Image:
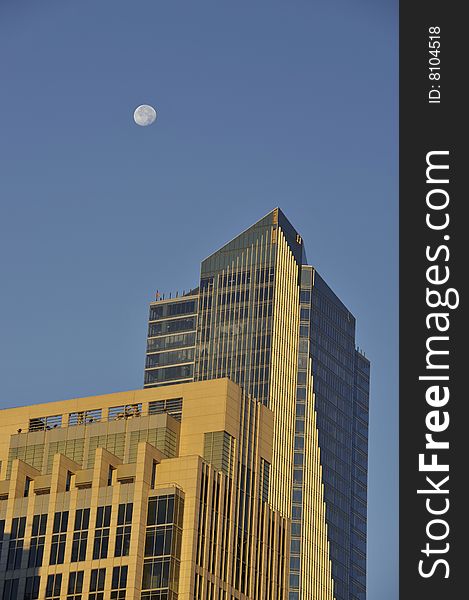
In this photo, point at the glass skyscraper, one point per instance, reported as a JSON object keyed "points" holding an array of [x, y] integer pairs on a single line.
{"points": [[267, 320]]}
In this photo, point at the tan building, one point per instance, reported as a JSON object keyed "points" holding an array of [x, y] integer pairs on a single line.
{"points": [[141, 495]]}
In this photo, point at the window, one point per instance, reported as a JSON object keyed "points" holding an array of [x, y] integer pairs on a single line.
{"points": [[174, 357], [2, 533], [27, 487], [32, 454], [72, 449], [15, 547], [84, 417], [101, 536], [31, 591], [127, 411], [80, 534], [10, 591], [38, 540], [59, 538], [110, 472], [219, 451], [75, 585], [264, 480], [172, 326], [158, 540], [171, 406], [68, 481], [119, 583], [43, 423], [156, 573], [171, 342], [53, 587], [124, 527], [169, 373], [98, 577], [172, 309], [163, 545]]}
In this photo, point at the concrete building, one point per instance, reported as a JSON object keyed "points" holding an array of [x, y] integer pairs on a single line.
{"points": [[141, 495]]}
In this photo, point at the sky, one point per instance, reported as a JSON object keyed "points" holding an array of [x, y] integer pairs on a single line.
{"points": [[273, 103]]}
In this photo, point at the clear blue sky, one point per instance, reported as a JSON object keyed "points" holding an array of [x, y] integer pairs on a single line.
{"points": [[261, 104]]}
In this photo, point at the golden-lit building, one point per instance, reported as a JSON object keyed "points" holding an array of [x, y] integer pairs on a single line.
{"points": [[145, 495]]}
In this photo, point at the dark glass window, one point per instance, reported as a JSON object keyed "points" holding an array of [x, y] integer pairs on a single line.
{"points": [[158, 541], [172, 326], [160, 510], [156, 573], [27, 486], [75, 585], [98, 577], [101, 536], [10, 590], [169, 373], [15, 547], [119, 582], [53, 587], [59, 538], [172, 309], [110, 473], [170, 342], [36, 549], [80, 534], [172, 357], [163, 544], [2, 533], [31, 591], [124, 528]]}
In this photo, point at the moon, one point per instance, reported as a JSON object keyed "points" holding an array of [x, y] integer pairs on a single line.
{"points": [[144, 115]]}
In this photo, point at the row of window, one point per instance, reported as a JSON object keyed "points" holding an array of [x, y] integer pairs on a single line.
{"points": [[59, 536], [169, 374], [170, 358], [170, 342], [172, 326], [173, 309], [74, 588]]}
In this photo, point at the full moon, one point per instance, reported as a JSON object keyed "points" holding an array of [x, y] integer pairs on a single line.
{"points": [[144, 115]]}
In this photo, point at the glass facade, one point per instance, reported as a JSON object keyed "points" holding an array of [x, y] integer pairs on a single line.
{"points": [[171, 341], [335, 376], [162, 547]]}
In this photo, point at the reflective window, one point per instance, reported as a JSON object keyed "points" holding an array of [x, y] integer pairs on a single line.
{"points": [[75, 585], [53, 587], [38, 540], [97, 580], [31, 590], [124, 529], [15, 546], [119, 582]]}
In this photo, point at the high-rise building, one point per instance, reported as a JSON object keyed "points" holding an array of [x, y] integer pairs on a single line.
{"points": [[267, 320], [141, 495]]}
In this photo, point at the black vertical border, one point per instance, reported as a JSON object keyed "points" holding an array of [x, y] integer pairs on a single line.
{"points": [[426, 127]]}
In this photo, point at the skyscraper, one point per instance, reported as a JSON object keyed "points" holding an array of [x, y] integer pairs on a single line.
{"points": [[267, 320]]}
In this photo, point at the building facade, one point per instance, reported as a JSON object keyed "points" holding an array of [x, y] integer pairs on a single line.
{"points": [[158, 494], [267, 320]]}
